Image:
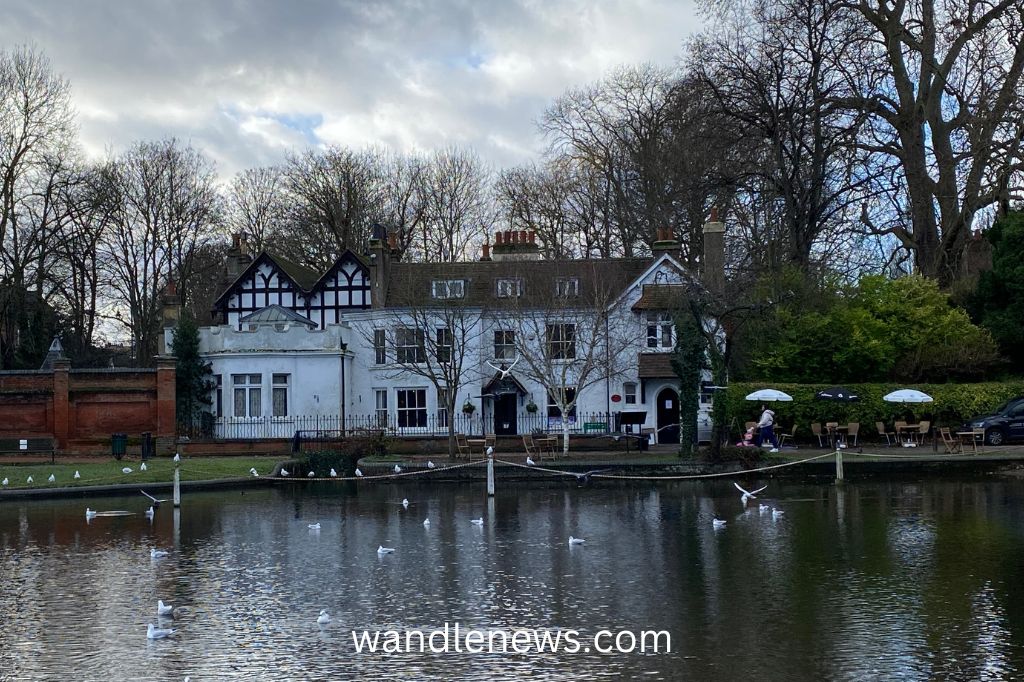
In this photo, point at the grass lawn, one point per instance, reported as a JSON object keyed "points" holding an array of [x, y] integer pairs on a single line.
{"points": [[108, 471]]}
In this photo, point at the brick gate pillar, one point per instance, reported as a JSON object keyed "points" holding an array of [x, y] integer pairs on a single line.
{"points": [[61, 408], [166, 424]]}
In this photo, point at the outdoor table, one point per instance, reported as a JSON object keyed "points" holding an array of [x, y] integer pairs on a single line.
{"points": [[965, 435], [837, 434], [475, 443], [910, 430], [546, 443]]}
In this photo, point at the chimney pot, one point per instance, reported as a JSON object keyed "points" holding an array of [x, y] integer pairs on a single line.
{"points": [[497, 239], [486, 249], [714, 214], [508, 236], [533, 236], [522, 236]]}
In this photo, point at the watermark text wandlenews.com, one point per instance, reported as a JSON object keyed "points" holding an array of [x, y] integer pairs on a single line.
{"points": [[453, 638]]}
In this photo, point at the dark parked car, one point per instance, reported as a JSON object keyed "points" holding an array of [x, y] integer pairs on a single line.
{"points": [[1004, 424]]}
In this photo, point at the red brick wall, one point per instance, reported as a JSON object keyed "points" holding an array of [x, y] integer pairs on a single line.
{"points": [[88, 405]]}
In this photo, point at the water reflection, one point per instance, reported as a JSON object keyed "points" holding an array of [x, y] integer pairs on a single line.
{"points": [[870, 581]]}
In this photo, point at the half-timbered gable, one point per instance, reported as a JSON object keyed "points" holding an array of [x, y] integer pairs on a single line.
{"points": [[273, 280]]}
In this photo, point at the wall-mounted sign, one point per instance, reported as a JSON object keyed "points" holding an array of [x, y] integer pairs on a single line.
{"points": [[616, 398]]}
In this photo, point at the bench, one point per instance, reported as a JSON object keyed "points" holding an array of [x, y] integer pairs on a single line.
{"points": [[35, 444], [595, 427]]}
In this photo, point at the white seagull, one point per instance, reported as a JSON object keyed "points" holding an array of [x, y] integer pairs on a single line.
{"points": [[747, 495], [490, 451], [142, 467], [4, 482], [426, 523], [310, 475], [52, 478], [156, 502], [405, 502], [150, 512], [381, 549], [717, 522], [253, 471], [529, 461], [359, 474], [177, 457], [576, 541], [334, 473], [153, 632], [477, 522], [157, 553], [314, 526], [77, 475], [89, 513], [284, 472], [28, 480], [776, 513], [502, 371], [126, 470], [324, 618], [763, 508], [430, 465], [163, 609], [398, 469]]}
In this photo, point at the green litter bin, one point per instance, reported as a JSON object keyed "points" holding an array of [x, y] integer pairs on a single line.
{"points": [[119, 445]]}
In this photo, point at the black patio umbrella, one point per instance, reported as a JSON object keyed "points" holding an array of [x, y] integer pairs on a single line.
{"points": [[838, 394]]}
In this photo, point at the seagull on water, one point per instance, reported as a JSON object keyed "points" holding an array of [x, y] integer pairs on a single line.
{"points": [[398, 469], [150, 512], [310, 475], [430, 465], [763, 508], [529, 461], [177, 457], [126, 470], [359, 474], [776, 513], [52, 478], [717, 522], [157, 553], [77, 475], [477, 522], [142, 467], [253, 472], [405, 502], [747, 495], [163, 609], [426, 523], [334, 473], [576, 541], [381, 549], [89, 513], [314, 526], [153, 632], [324, 618]]}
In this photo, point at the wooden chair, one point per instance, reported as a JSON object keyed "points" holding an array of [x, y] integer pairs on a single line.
{"points": [[832, 433], [783, 437], [889, 436], [952, 445], [852, 431], [462, 445], [923, 429], [816, 430], [900, 428], [489, 441]]}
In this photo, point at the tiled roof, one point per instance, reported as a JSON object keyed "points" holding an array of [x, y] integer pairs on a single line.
{"points": [[410, 283], [304, 276], [662, 297], [655, 366]]}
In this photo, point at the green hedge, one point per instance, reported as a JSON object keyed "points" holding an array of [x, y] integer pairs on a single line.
{"points": [[954, 404]]}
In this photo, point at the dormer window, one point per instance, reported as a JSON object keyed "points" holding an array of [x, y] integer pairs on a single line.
{"points": [[448, 288], [567, 287], [660, 331], [509, 288]]}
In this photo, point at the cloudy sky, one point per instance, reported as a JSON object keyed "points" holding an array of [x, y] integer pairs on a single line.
{"points": [[246, 81]]}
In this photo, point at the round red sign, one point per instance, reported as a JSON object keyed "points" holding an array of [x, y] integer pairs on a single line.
{"points": [[616, 398]]}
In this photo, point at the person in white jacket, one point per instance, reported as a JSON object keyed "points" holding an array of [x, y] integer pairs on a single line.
{"points": [[766, 429]]}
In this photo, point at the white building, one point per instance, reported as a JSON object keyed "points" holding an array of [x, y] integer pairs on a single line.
{"points": [[357, 345]]}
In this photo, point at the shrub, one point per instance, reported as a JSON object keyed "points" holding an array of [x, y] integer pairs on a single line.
{"points": [[749, 458], [344, 455]]}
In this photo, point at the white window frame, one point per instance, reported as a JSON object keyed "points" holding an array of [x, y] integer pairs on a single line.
{"points": [[507, 349], [444, 345], [442, 408], [567, 287], [280, 384], [661, 331], [403, 346], [448, 288], [380, 403], [508, 287], [559, 346], [250, 386], [629, 390], [380, 346], [418, 410]]}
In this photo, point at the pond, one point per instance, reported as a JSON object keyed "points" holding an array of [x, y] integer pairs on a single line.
{"points": [[911, 579]]}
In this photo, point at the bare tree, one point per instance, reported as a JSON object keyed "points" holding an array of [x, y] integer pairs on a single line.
{"points": [[432, 339], [164, 207], [404, 200], [458, 206], [256, 204]]}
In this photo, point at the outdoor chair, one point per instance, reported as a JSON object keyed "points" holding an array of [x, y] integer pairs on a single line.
{"points": [[530, 446], [852, 430], [462, 445], [889, 436], [952, 445], [816, 430], [924, 428], [832, 433], [783, 437], [488, 442]]}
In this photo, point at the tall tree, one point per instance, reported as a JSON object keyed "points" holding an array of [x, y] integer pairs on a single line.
{"points": [[193, 383]]}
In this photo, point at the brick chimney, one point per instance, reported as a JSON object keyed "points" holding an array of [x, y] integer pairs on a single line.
{"points": [[714, 255], [515, 245], [665, 243], [238, 257], [380, 264]]}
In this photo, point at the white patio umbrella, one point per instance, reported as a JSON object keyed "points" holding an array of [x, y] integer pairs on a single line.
{"points": [[907, 395], [770, 395]]}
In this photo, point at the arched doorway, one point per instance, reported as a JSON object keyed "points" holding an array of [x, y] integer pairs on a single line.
{"points": [[668, 416]]}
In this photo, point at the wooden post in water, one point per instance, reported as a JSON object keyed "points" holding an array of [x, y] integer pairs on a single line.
{"points": [[177, 487], [839, 465], [490, 475]]}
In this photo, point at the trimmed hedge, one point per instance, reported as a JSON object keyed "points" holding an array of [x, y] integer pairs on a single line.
{"points": [[954, 404]]}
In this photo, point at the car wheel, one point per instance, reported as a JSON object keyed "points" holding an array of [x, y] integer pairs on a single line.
{"points": [[994, 437]]}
